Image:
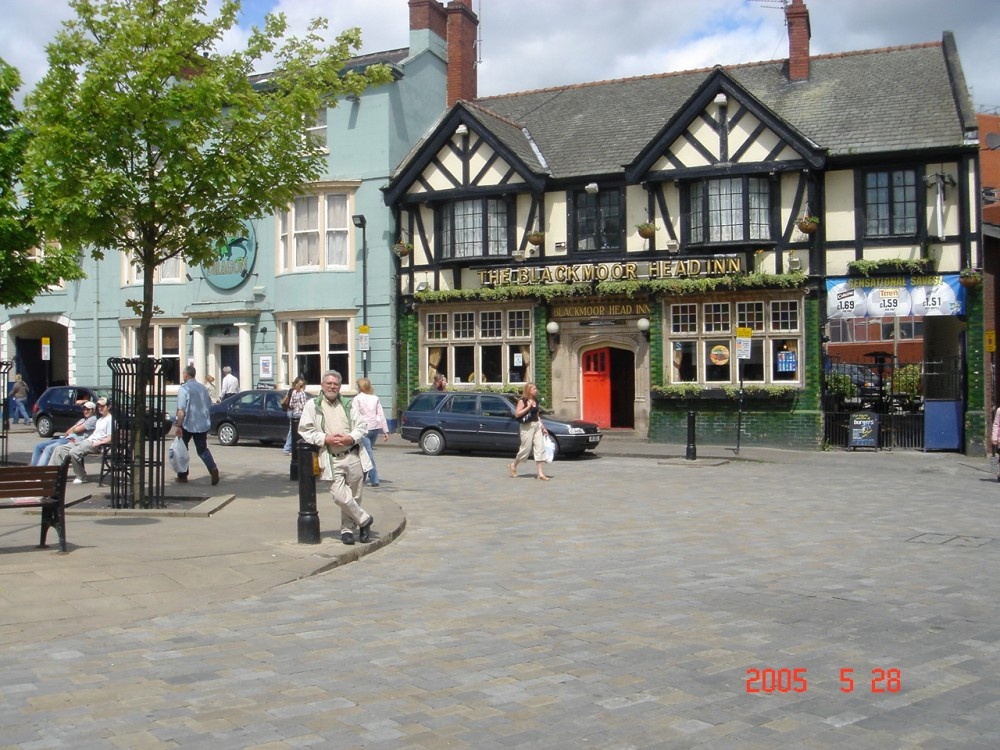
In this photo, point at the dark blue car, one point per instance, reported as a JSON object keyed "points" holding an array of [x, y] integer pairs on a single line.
{"points": [[476, 421]]}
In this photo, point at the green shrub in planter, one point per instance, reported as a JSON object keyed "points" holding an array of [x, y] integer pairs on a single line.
{"points": [[906, 379]]}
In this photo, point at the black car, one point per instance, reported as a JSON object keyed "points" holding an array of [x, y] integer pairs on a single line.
{"points": [[864, 379], [475, 421], [250, 415], [61, 406]]}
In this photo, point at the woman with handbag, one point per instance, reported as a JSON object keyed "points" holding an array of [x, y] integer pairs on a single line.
{"points": [[366, 408], [533, 432], [293, 402]]}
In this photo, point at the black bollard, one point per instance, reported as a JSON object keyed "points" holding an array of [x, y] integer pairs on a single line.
{"points": [[692, 451], [308, 515], [293, 462]]}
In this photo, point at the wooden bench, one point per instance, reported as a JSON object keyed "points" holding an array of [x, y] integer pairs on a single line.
{"points": [[38, 487]]}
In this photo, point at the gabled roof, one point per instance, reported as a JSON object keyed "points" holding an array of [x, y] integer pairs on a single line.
{"points": [[873, 102], [392, 58]]}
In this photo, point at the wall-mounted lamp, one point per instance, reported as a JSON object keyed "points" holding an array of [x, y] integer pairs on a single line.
{"points": [[263, 330], [189, 277], [552, 328], [673, 246], [359, 221], [591, 188], [643, 325], [259, 291], [422, 286], [519, 255], [721, 100], [462, 129]]}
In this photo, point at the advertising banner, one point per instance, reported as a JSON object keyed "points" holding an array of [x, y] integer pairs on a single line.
{"points": [[894, 296]]}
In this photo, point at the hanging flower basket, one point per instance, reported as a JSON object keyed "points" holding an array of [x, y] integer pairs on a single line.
{"points": [[969, 278], [402, 249], [536, 238], [808, 224], [646, 230]]}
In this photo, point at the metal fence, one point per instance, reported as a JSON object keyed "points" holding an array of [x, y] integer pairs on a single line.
{"points": [[900, 411], [128, 456]]}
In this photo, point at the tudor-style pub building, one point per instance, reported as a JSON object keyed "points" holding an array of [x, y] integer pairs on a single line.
{"points": [[810, 215]]}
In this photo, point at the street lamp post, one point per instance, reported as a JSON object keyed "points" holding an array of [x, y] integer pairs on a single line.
{"points": [[361, 223]]}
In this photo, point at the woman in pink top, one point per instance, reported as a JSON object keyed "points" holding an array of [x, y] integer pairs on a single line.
{"points": [[367, 409]]}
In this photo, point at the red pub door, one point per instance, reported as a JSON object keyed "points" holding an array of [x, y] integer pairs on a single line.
{"points": [[597, 387]]}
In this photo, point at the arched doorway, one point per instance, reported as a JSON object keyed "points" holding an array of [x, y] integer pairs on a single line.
{"points": [[608, 379]]}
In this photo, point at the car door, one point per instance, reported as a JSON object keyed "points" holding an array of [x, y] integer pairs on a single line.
{"points": [[460, 421], [247, 413], [274, 420], [498, 429]]}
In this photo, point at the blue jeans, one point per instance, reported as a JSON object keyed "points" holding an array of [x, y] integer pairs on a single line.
{"points": [[18, 409], [201, 447], [368, 441], [42, 453]]}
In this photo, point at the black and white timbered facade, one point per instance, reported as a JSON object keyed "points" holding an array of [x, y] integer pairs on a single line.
{"points": [[807, 213]]}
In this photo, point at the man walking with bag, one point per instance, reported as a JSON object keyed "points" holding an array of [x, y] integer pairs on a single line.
{"points": [[194, 421]]}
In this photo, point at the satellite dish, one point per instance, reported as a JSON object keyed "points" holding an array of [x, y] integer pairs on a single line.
{"points": [[992, 141]]}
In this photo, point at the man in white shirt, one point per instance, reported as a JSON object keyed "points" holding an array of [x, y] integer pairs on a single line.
{"points": [[100, 437], [230, 385]]}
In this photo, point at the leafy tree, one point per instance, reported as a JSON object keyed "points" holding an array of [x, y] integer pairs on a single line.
{"points": [[22, 275], [151, 141]]}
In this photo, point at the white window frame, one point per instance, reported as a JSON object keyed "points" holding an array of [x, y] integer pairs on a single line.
{"points": [[130, 345], [446, 334], [288, 346], [689, 342], [334, 243]]}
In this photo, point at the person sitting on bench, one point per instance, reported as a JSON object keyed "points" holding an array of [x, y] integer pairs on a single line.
{"points": [[78, 451], [83, 429]]}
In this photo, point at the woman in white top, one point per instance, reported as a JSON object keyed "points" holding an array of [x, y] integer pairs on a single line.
{"points": [[367, 409]]}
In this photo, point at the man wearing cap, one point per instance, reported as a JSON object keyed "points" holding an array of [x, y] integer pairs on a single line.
{"points": [[42, 453], [194, 420], [100, 437]]}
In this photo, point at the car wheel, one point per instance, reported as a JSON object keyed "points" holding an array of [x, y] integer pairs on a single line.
{"points": [[45, 426], [228, 434], [432, 443]]}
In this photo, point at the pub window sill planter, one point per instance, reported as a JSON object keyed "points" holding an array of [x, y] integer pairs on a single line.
{"points": [[685, 392]]}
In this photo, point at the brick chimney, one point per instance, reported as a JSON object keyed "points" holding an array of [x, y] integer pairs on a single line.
{"points": [[429, 14], [462, 75], [797, 18]]}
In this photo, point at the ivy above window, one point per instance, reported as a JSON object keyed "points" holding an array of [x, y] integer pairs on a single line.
{"points": [[891, 265], [629, 288]]}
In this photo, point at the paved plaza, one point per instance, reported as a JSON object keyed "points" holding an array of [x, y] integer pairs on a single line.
{"points": [[638, 600]]}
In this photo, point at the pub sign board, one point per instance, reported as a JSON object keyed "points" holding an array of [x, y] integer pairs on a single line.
{"points": [[863, 430]]}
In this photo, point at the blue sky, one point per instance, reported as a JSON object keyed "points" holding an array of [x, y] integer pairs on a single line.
{"points": [[529, 44]]}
